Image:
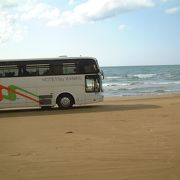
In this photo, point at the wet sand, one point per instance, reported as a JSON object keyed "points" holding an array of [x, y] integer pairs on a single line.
{"points": [[135, 138]]}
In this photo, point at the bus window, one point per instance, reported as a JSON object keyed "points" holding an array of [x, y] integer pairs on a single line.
{"points": [[32, 70], [57, 69], [49, 69], [9, 71], [88, 67], [22, 70], [1, 71], [44, 69], [92, 83], [69, 68]]}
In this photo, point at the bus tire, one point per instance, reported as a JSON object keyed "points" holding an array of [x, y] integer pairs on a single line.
{"points": [[65, 101]]}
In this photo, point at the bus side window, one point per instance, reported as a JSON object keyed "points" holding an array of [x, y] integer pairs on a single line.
{"points": [[51, 69], [9, 71], [44, 69], [1, 71], [22, 71], [90, 68], [58, 69], [69, 68], [32, 70]]}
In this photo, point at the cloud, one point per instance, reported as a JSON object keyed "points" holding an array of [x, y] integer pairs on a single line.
{"points": [[173, 10], [96, 10], [14, 13], [8, 3], [122, 27], [40, 11], [10, 28], [71, 2], [165, 1]]}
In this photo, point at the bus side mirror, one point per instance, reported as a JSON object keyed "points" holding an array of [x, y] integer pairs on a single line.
{"points": [[102, 74]]}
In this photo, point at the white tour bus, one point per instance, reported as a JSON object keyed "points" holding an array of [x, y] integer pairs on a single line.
{"points": [[47, 82]]}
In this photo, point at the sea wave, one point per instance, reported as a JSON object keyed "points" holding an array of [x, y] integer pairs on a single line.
{"points": [[142, 76], [163, 83], [112, 84], [113, 77], [115, 84], [141, 80]]}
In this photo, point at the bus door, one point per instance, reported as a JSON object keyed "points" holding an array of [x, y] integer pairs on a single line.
{"points": [[92, 88]]}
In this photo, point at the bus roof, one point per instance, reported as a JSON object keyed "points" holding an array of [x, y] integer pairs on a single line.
{"points": [[63, 58]]}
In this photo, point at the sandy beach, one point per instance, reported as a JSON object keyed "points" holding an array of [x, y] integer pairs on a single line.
{"points": [[123, 138]]}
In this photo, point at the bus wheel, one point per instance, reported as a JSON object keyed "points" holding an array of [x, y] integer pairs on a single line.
{"points": [[65, 101]]}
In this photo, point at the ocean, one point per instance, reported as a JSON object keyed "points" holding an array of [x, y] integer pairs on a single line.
{"points": [[141, 80]]}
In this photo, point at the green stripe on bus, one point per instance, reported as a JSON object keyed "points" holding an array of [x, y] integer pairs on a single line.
{"points": [[12, 95]]}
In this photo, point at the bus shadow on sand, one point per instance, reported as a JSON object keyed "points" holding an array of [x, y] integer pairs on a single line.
{"points": [[74, 110]]}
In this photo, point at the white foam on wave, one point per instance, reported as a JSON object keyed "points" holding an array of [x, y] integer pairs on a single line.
{"points": [[143, 76], [115, 84], [113, 77], [164, 83]]}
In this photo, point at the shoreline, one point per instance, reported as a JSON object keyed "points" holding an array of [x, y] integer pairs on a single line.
{"points": [[144, 95], [134, 138]]}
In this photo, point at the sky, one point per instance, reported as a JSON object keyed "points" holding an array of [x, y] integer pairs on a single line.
{"points": [[116, 32]]}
